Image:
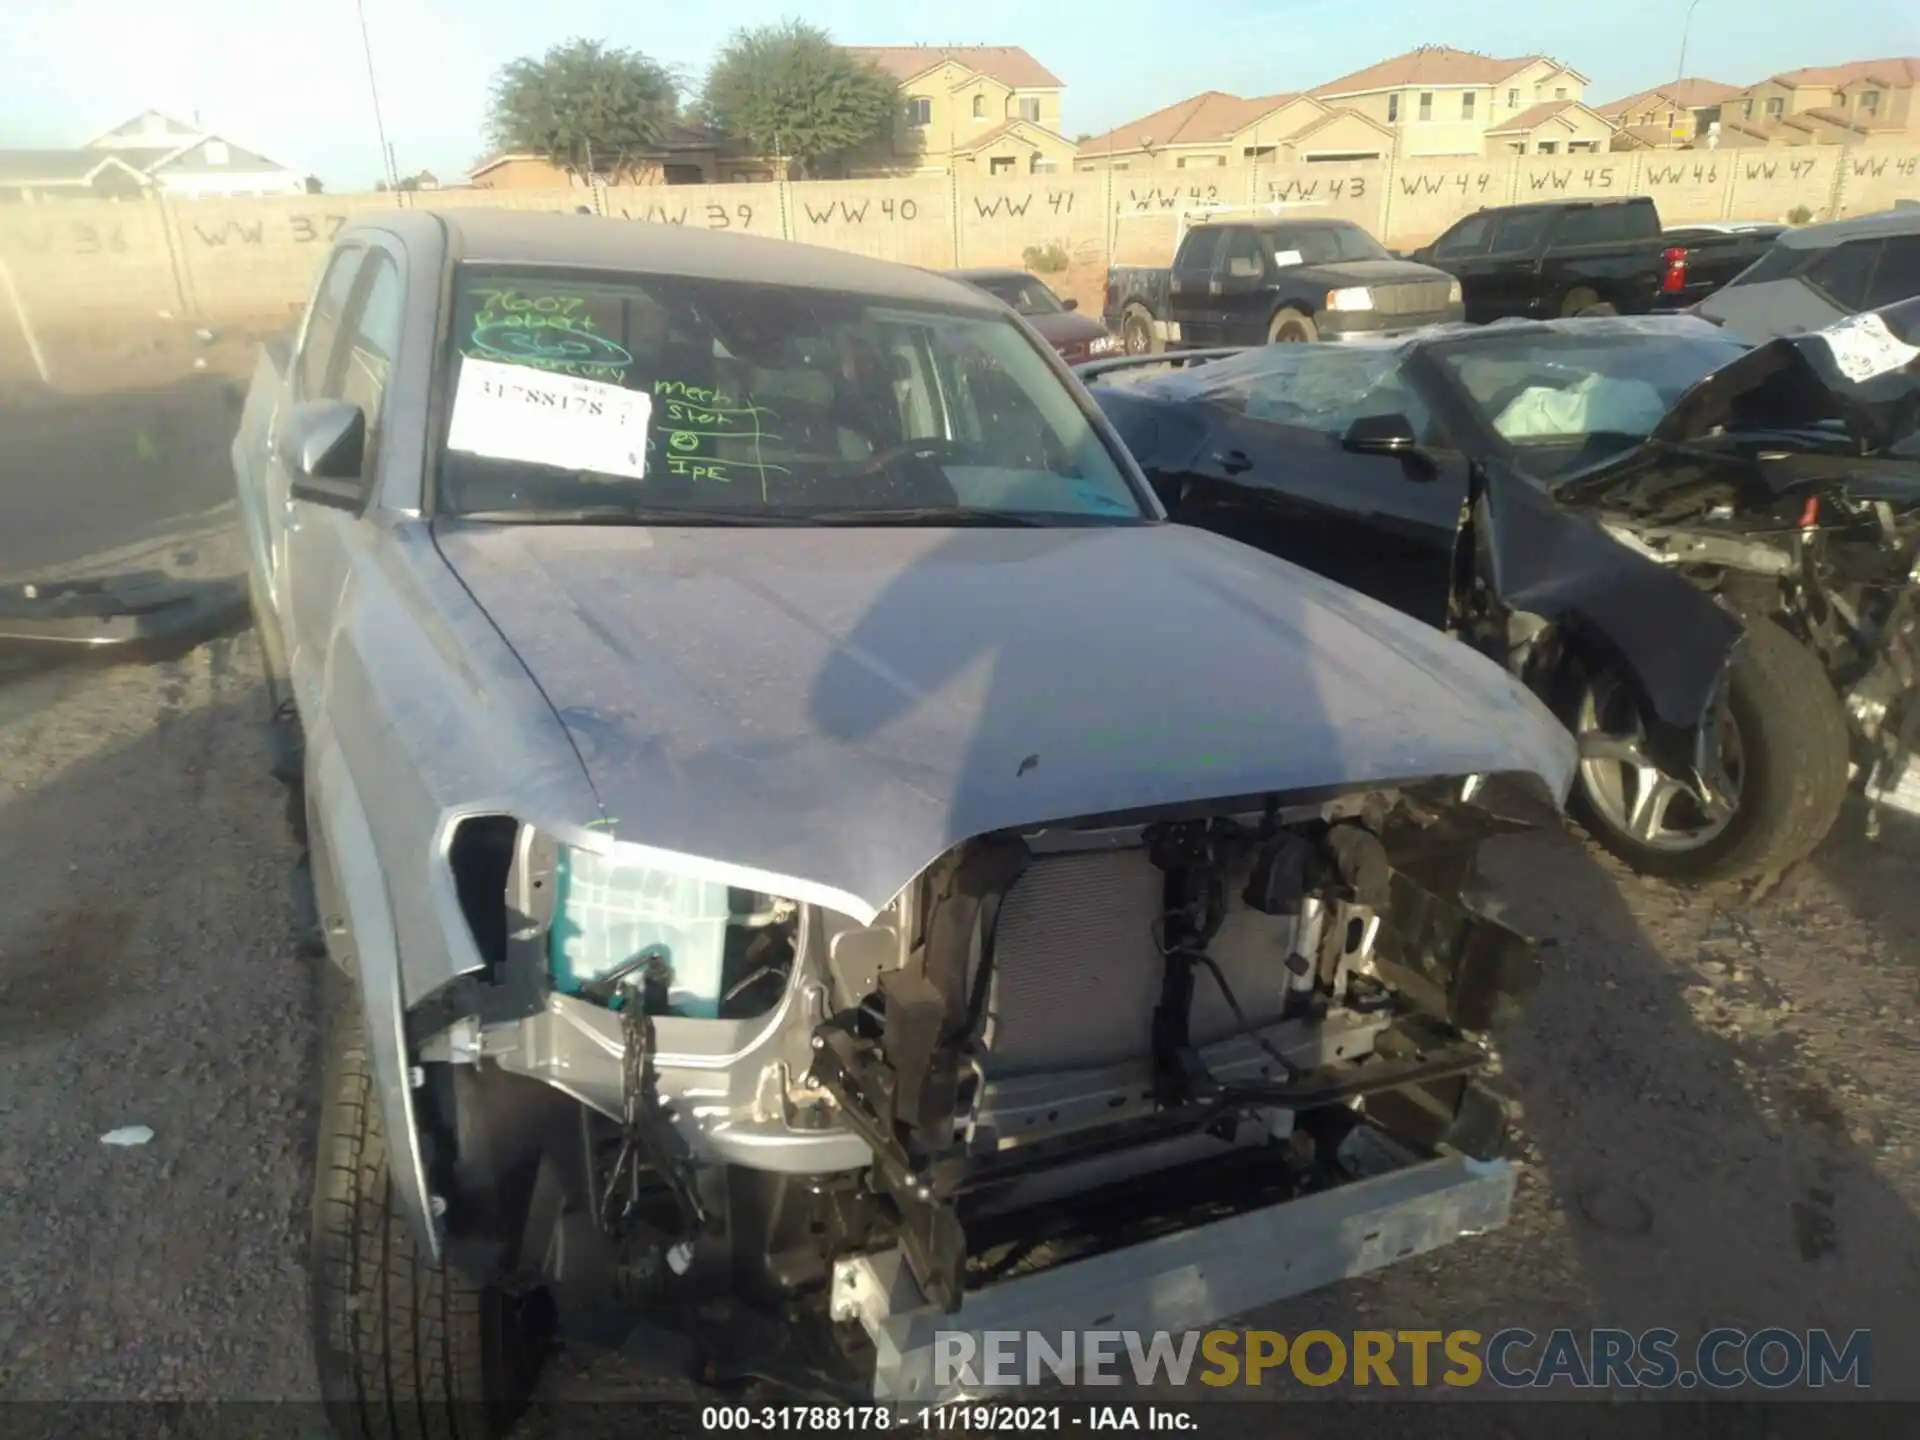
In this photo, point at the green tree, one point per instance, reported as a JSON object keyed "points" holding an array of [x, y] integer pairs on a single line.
{"points": [[587, 108], [788, 91]]}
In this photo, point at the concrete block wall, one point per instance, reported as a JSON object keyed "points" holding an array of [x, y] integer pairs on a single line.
{"points": [[82, 265]]}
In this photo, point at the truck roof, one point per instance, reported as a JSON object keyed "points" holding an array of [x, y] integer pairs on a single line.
{"points": [[593, 242], [1285, 222], [1571, 200]]}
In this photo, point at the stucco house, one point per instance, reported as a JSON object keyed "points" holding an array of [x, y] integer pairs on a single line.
{"points": [[1441, 101], [1214, 128], [151, 152], [1554, 127], [686, 155], [1861, 100], [183, 161], [33, 175], [990, 109], [1673, 116]]}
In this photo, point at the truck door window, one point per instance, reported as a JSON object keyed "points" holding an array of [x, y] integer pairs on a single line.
{"points": [[1520, 234], [372, 341], [1845, 273], [1198, 250], [1470, 237], [1898, 275], [1241, 258], [313, 368]]}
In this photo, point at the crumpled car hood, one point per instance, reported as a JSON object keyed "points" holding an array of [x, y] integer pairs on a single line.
{"points": [[1861, 371], [841, 706]]}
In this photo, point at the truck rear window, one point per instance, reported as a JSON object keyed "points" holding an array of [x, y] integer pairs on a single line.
{"points": [[1599, 224], [570, 389]]}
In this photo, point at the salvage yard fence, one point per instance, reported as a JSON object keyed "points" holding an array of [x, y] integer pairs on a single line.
{"points": [[79, 264]]}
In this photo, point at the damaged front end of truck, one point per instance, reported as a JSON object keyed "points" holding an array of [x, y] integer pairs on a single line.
{"points": [[1141, 1070]]}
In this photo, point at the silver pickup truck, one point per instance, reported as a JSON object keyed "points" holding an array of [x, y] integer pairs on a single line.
{"points": [[809, 858]]}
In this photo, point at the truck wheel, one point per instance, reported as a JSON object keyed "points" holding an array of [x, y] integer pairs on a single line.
{"points": [[1784, 750], [1290, 327], [403, 1346], [1136, 331], [1578, 301]]}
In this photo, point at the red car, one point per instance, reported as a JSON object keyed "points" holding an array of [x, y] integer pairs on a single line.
{"points": [[1076, 337]]}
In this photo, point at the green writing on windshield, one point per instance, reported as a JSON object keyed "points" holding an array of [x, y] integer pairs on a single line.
{"points": [[713, 435], [546, 332]]}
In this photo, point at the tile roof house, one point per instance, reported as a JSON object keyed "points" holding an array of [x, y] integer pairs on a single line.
{"points": [[1441, 101], [1553, 127], [1214, 128], [1832, 104], [956, 102], [1671, 116]]}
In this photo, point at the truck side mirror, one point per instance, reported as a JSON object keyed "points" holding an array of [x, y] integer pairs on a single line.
{"points": [[324, 445], [1381, 435], [1070, 304]]}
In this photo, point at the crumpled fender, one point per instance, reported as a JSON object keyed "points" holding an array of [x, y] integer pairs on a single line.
{"points": [[1669, 639]]}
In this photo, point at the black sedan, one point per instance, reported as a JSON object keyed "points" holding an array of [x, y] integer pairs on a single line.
{"points": [[1701, 554]]}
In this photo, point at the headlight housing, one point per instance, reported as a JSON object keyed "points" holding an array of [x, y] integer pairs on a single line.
{"points": [[611, 912], [1353, 297], [1453, 293], [1103, 345]]}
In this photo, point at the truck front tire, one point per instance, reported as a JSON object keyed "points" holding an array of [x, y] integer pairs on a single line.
{"points": [[404, 1346], [1290, 327]]}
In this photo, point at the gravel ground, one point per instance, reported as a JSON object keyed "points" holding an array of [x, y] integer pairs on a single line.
{"points": [[1718, 1095]]}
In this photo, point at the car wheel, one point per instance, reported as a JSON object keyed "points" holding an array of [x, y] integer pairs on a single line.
{"points": [[396, 1335], [1783, 756], [1290, 327], [1603, 308], [1578, 301], [1136, 332]]}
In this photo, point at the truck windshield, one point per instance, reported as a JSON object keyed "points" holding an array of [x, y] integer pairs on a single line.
{"points": [[1329, 244], [585, 394], [1565, 400]]}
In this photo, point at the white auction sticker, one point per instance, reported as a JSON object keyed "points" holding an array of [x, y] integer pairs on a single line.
{"points": [[514, 412], [1864, 347]]}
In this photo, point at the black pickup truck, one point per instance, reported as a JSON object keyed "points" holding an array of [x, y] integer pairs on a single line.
{"points": [[1559, 257], [1265, 281], [1699, 259]]}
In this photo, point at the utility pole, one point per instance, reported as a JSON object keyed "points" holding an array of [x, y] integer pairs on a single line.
{"points": [[1680, 70], [373, 89]]}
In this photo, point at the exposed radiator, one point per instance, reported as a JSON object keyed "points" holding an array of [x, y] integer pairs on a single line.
{"points": [[1077, 968]]}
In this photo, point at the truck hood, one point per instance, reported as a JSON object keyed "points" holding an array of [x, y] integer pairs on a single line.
{"points": [[842, 706], [1373, 272]]}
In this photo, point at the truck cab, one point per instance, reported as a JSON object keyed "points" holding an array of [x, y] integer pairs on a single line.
{"points": [[1276, 280], [1554, 258]]}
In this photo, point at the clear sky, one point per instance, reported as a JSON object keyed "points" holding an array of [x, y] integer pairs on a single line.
{"points": [[288, 77]]}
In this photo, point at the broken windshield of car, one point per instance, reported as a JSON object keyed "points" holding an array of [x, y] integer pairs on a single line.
{"points": [[1549, 386], [764, 396], [1324, 388]]}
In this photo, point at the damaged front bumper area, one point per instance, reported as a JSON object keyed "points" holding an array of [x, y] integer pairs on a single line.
{"points": [[1315, 996], [1146, 1069]]}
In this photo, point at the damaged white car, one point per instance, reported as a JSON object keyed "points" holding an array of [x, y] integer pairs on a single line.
{"points": [[809, 856]]}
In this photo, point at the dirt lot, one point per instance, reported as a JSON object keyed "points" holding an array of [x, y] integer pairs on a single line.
{"points": [[1718, 1096]]}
